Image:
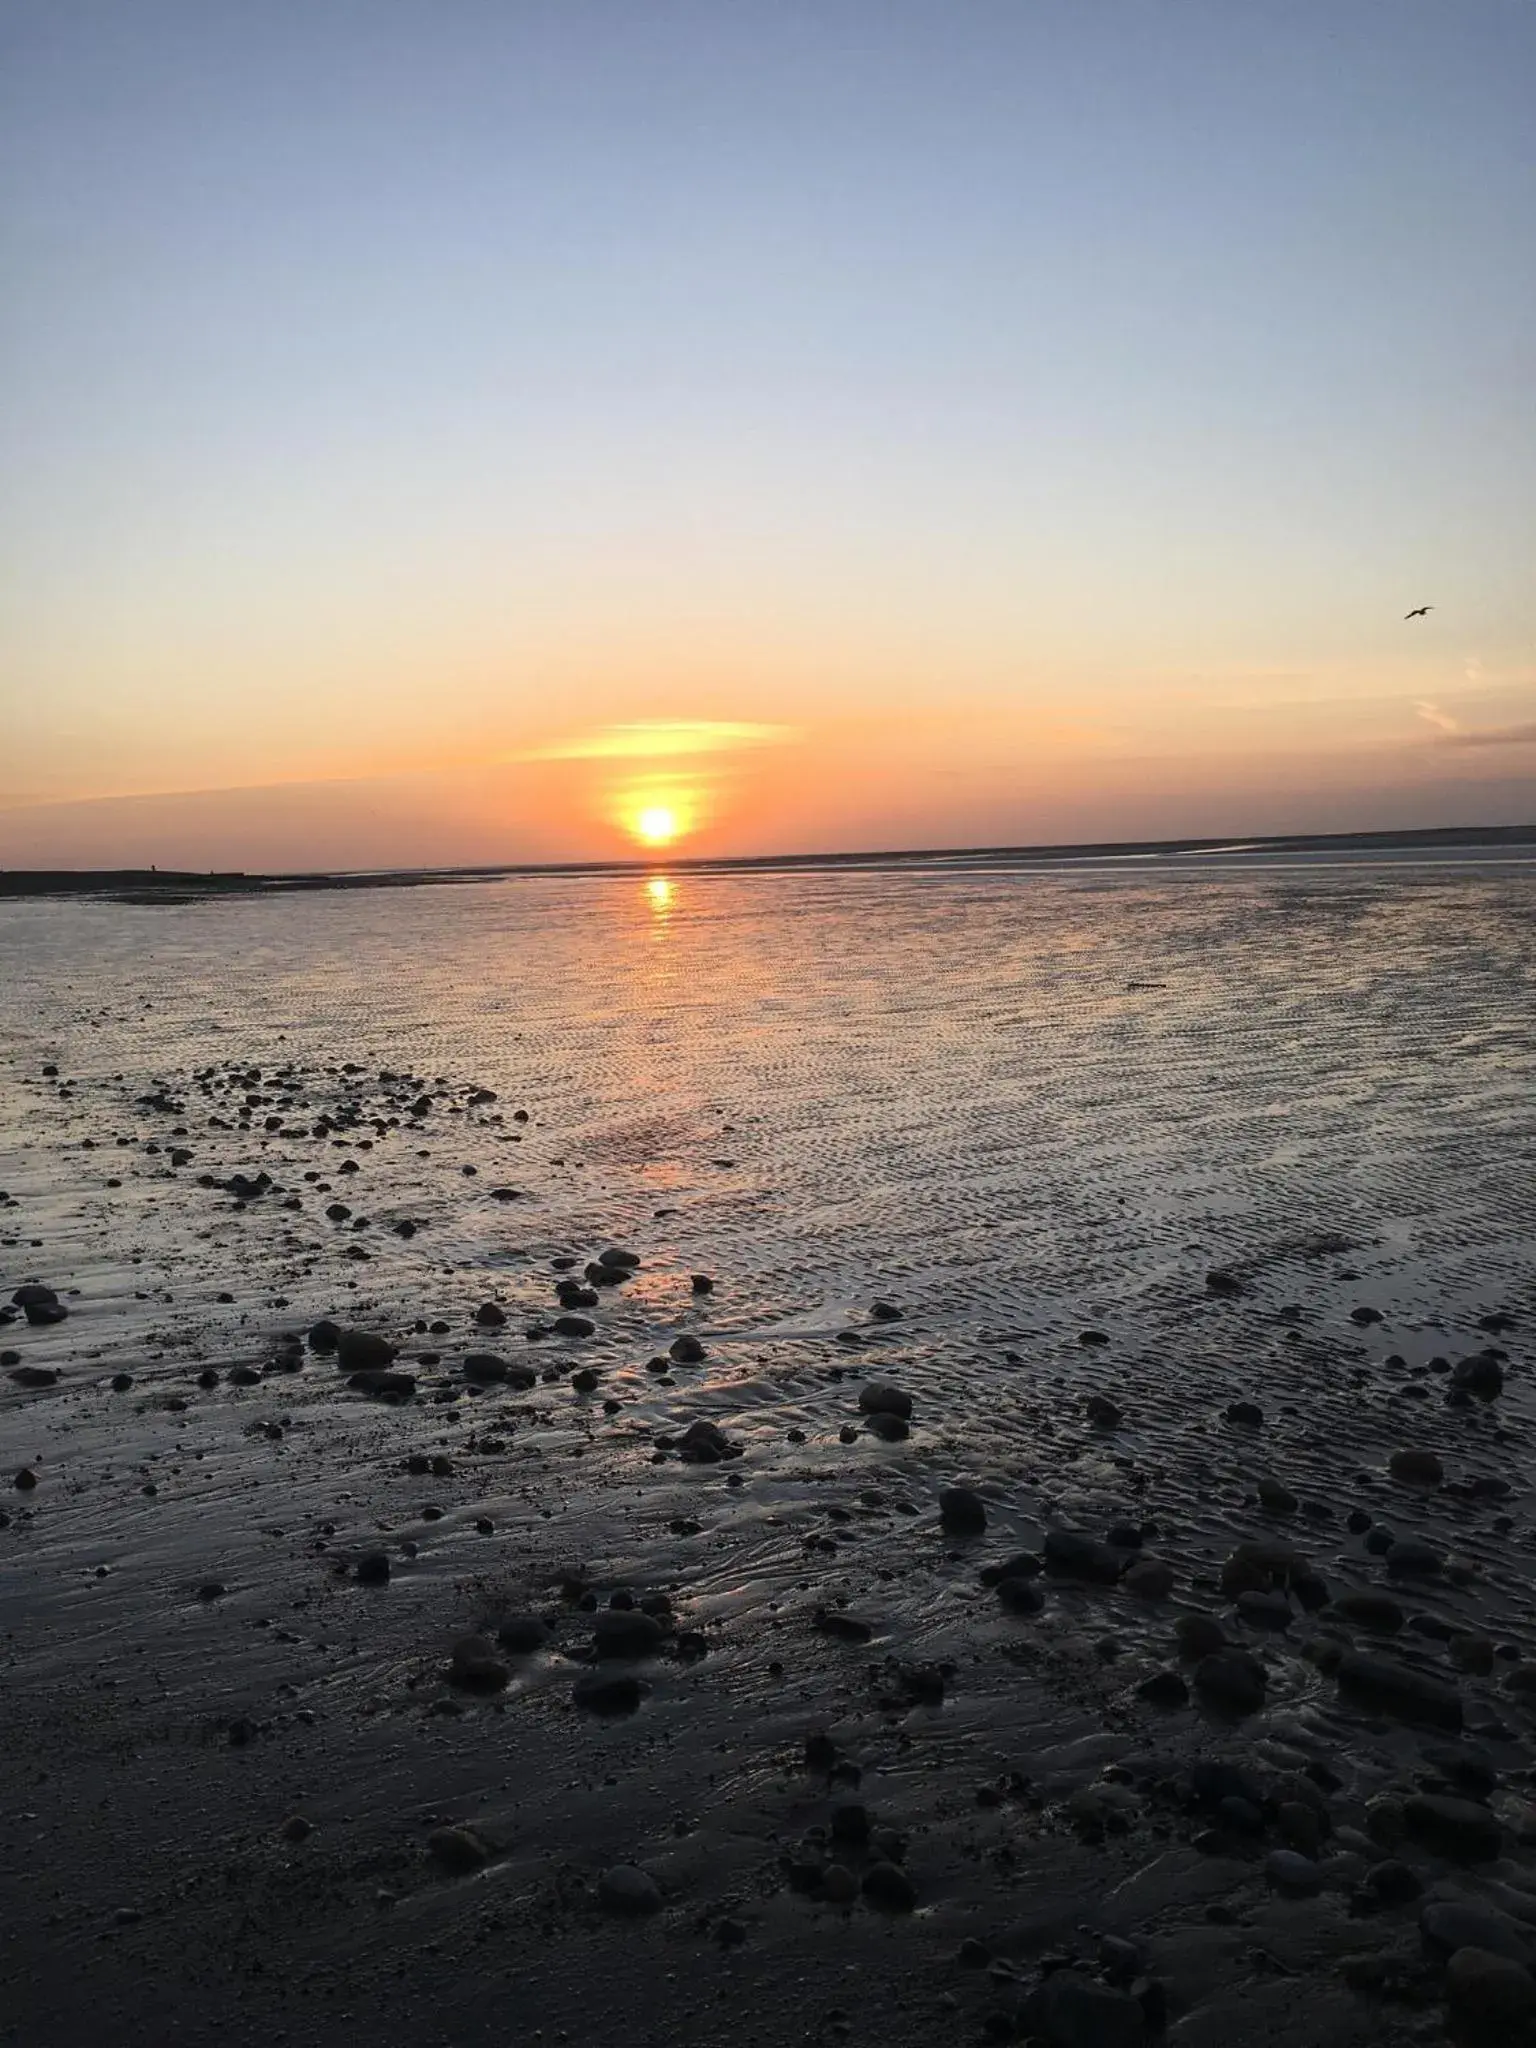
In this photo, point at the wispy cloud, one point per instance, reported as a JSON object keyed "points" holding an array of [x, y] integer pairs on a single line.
{"points": [[1442, 721], [1523, 735], [654, 739]]}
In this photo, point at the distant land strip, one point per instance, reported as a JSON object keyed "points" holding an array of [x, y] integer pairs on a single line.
{"points": [[165, 885]]}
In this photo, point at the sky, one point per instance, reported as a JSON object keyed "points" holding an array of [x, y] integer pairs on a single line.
{"points": [[445, 431]]}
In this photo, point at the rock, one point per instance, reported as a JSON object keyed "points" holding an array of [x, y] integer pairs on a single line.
{"points": [[373, 1568], [1026, 1564], [1198, 1635], [1102, 1412], [459, 1850], [687, 1350], [34, 1295], [619, 1261], [1072, 2010], [1377, 1611], [885, 1312], [485, 1369], [1296, 1875], [384, 1386], [962, 1511], [1231, 1680], [1220, 1281], [1416, 1467], [1079, 1556], [1278, 1499], [891, 1429], [1020, 1596], [1397, 1689], [1393, 1882], [35, 1376], [1246, 1414], [1385, 1821], [1454, 1827], [1465, 1764], [296, 1828], [839, 1886], [879, 1397], [626, 1633], [1490, 1992], [1149, 1578], [360, 1350], [1260, 1567], [573, 1326], [888, 1887], [1450, 1924], [1481, 1375], [40, 1314], [702, 1283], [628, 1890], [1471, 1652], [475, 1666], [121, 1382], [26, 1479], [607, 1692], [1264, 1610], [703, 1443], [1164, 1689], [521, 1634], [1410, 1558]]}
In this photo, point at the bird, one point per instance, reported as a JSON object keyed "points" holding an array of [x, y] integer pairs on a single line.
{"points": [[1422, 612]]}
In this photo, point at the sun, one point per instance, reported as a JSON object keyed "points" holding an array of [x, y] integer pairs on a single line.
{"points": [[657, 825]]}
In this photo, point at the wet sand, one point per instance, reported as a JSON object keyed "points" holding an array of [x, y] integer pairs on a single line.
{"points": [[1201, 1205]]}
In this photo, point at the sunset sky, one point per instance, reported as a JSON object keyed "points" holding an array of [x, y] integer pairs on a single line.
{"points": [[442, 431]]}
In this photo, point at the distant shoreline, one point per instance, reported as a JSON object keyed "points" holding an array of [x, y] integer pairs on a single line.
{"points": [[150, 885]]}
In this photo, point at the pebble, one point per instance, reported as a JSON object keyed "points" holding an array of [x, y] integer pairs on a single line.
{"points": [[1454, 1827], [1416, 1468], [574, 1326], [1450, 1924], [1149, 1578], [839, 1885], [1481, 1375], [1289, 1872], [687, 1350], [1199, 1635], [1164, 1689], [879, 1397], [1072, 2010], [620, 1633], [1410, 1558], [1020, 1596], [962, 1511], [26, 1479], [1393, 1882], [373, 1568], [627, 1889], [360, 1350], [474, 1665], [1377, 1611], [1080, 1556], [607, 1692], [1233, 1680], [1490, 1991], [1278, 1498], [1398, 1689]]}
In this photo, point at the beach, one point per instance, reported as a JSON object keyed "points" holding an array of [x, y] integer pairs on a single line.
{"points": [[1032, 1539]]}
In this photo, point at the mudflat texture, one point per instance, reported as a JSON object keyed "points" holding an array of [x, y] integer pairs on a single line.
{"points": [[604, 1665]]}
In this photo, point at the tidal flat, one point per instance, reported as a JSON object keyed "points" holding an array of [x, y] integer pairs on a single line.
{"points": [[823, 1457]]}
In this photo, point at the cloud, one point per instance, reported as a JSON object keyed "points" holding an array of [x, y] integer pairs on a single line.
{"points": [[1523, 735], [1442, 721], [653, 739]]}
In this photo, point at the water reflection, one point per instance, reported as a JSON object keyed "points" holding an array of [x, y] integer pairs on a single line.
{"points": [[659, 892]]}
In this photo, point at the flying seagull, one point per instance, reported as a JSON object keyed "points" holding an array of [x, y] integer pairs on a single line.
{"points": [[1423, 612]]}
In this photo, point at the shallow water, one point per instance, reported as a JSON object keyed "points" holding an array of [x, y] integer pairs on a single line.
{"points": [[1018, 1105]]}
